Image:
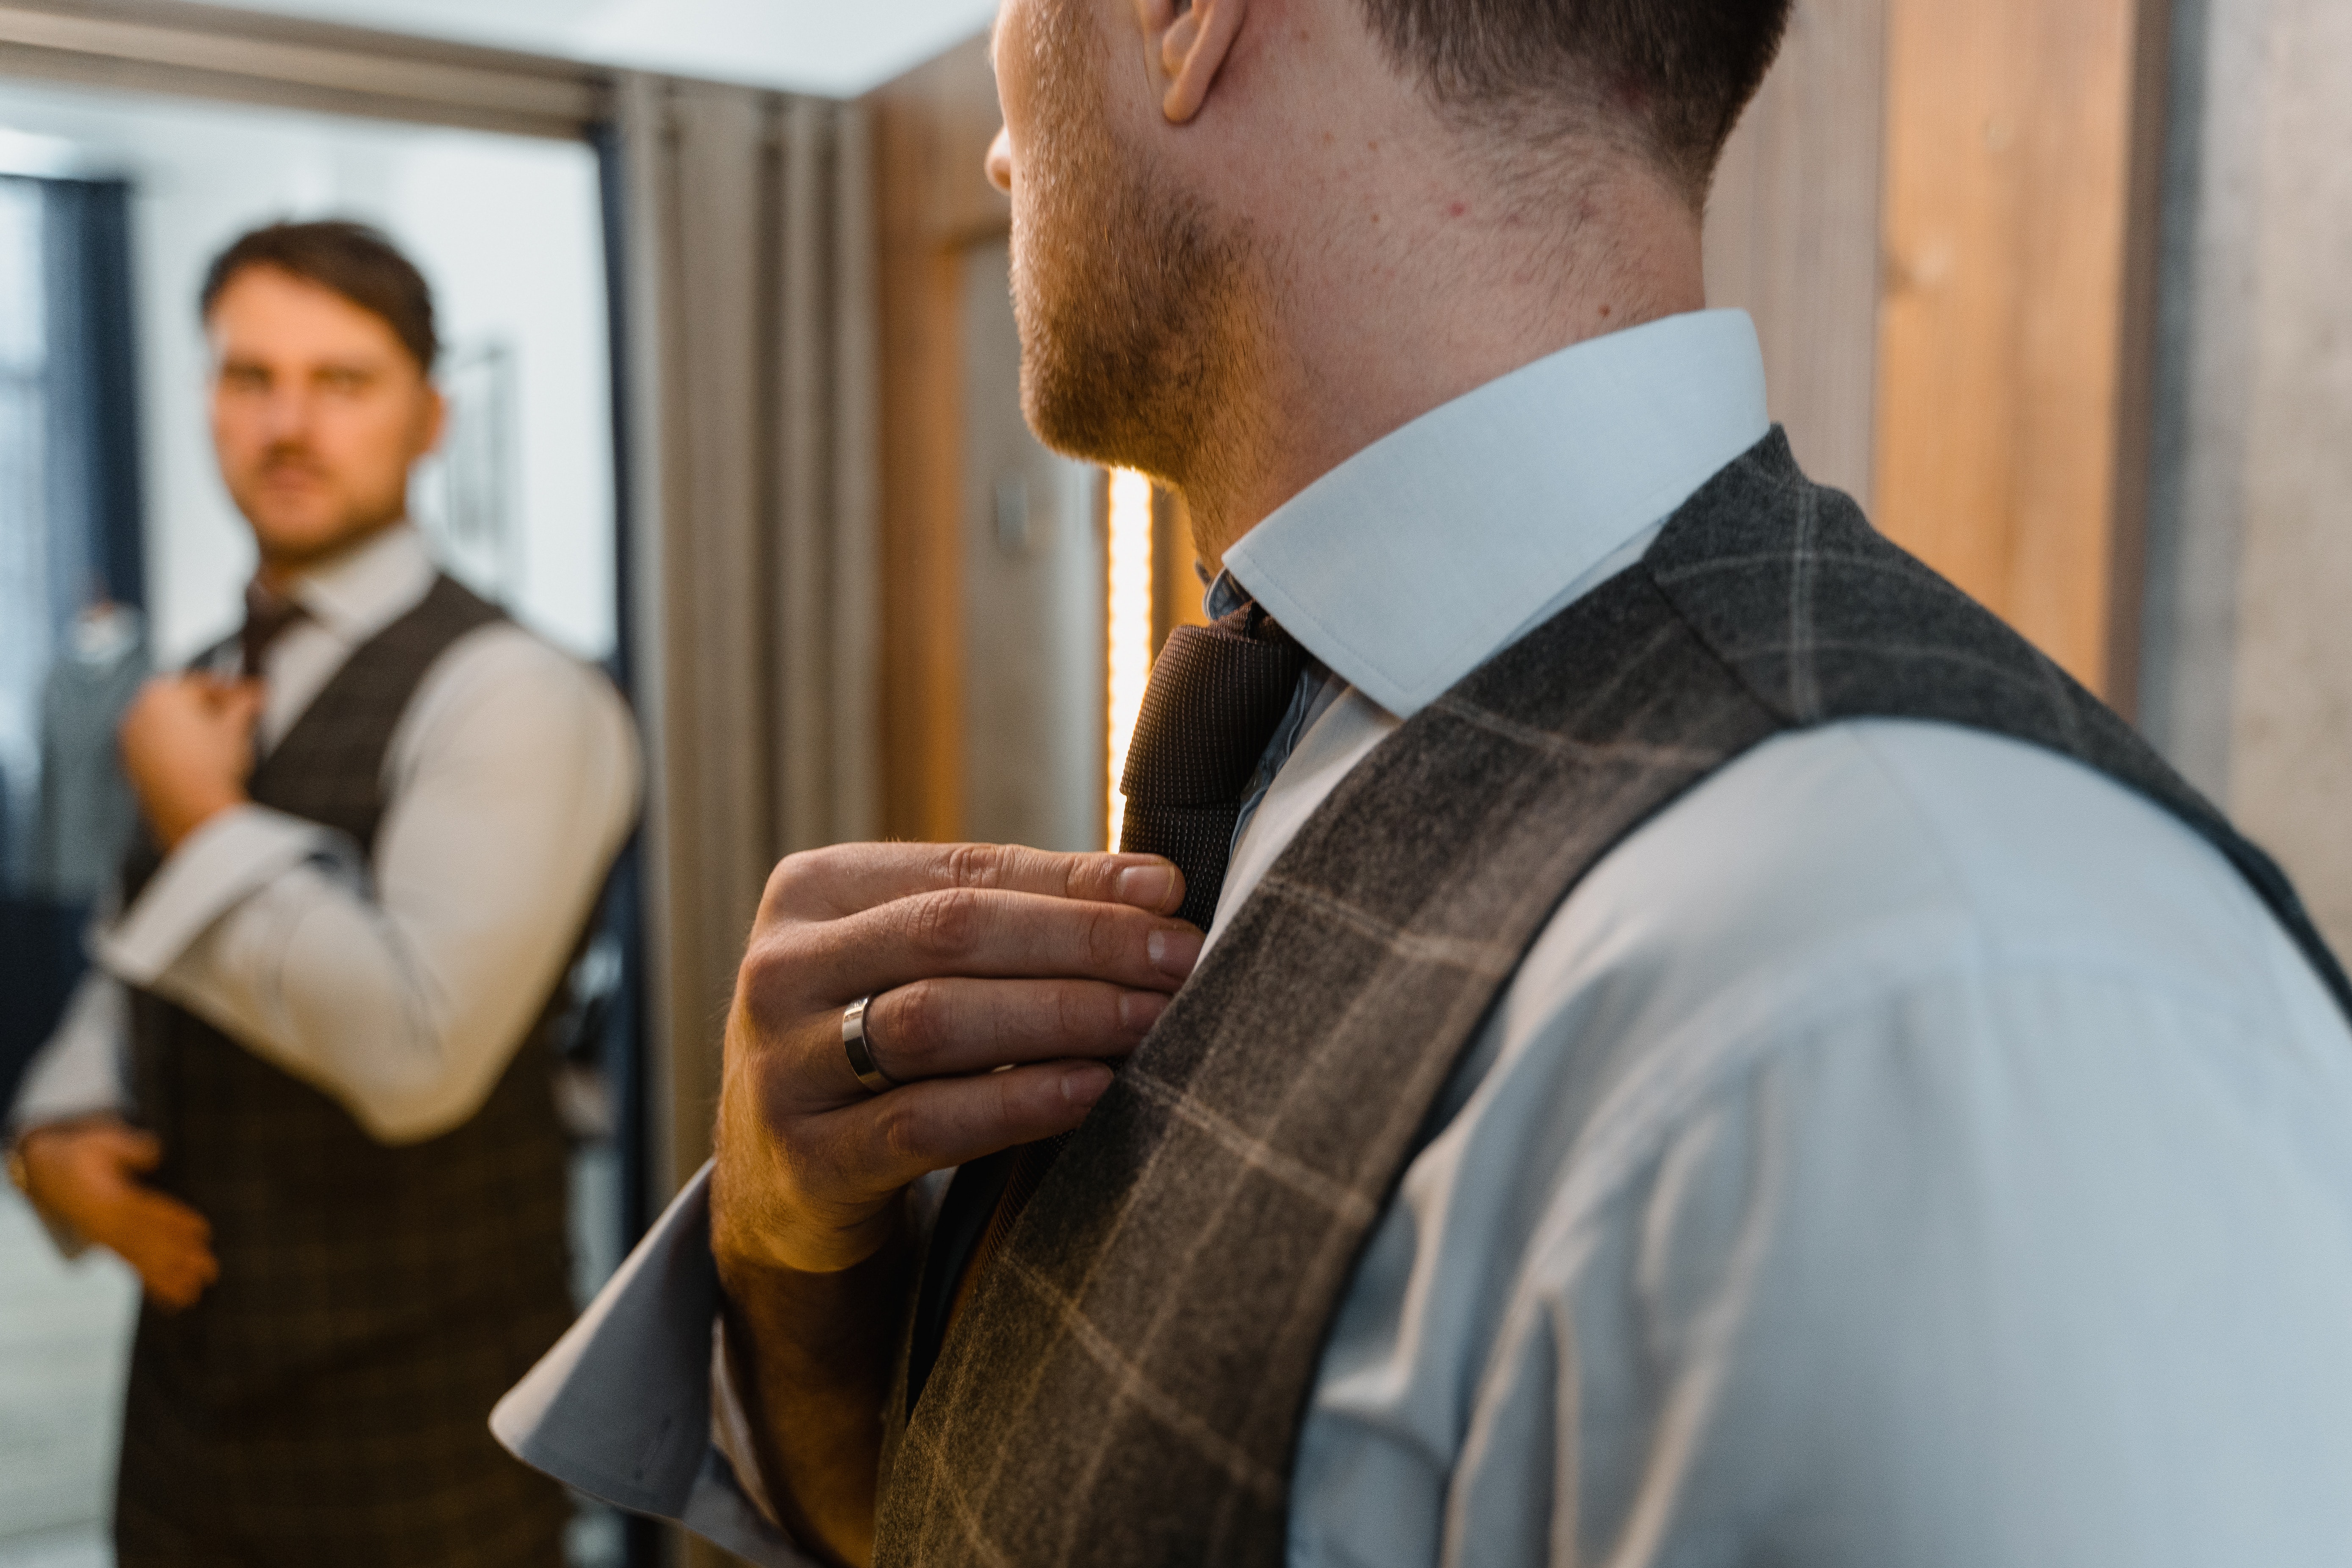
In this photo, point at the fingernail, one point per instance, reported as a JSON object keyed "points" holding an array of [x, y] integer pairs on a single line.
{"points": [[1146, 887], [1173, 953], [1138, 1010], [1082, 1086]]}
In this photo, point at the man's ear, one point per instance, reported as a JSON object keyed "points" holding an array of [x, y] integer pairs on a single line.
{"points": [[1189, 42], [433, 421]]}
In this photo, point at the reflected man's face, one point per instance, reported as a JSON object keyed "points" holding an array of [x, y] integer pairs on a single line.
{"points": [[317, 413]]}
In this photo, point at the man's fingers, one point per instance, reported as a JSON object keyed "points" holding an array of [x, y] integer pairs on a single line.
{"points": [[167, 1289], [989, 935], [241, 704], [136, 1150], [998, 955], [178, 1282], [896, 1138], [170, 1245], [168, 1217], [181, 1257], [848, 878], [942, 1028]]}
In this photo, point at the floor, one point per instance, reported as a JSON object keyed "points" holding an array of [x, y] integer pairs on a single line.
{"points": [[65, 1332], [83, 1547]]}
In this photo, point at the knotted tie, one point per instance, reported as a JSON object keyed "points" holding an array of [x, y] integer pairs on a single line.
{"points": [[267, 616], [1217, 696]]}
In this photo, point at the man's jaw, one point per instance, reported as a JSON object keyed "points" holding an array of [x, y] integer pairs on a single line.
{"points": [[293, 547]]}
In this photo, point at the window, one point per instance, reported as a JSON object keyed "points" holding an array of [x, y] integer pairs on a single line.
{"points": [[26, 616], [72, 648]]}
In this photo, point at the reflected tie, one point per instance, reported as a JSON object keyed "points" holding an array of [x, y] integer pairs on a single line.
{"points": [[1217, 695], [267, 616]]}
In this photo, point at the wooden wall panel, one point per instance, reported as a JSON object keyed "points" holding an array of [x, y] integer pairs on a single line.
{"points": [[1792, 233], [931, 131], [2012, 336]]}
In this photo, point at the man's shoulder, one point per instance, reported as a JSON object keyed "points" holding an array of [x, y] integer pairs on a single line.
{"points": [[502, 678], [1906, 906], [508, 647], [1857, 856]]}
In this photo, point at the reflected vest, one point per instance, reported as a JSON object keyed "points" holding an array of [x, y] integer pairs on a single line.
{"points": [[1127, 1382], [335, 1250]]}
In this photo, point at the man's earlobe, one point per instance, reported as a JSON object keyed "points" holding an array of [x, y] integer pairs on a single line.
{"points": [[1189, 42]]}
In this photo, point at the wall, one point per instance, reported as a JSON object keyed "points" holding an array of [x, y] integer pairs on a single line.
{"points": [[1034, 587], [507, 230], [1793, 234], [2011, 429], [932, 129], [2248, 656]]}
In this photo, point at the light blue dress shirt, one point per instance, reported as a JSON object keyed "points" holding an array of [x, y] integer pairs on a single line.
{"points": [[1911, 1148]]}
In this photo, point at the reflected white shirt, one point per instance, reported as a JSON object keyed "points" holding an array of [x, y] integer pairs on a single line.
{"points": [[400, 989], [1909, 1148]]}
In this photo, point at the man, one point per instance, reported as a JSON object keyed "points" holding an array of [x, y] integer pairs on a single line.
{"points": [[379, 821], [1709, 1049]]}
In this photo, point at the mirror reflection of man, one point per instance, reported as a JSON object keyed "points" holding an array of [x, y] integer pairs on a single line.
{"points": [[378, 820]]}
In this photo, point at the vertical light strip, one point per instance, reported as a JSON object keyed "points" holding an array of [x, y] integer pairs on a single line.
{"points": [[1131, 621]]}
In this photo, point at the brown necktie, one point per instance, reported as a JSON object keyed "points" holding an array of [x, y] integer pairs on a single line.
{"points": [[1217, 696], [267, 618]]}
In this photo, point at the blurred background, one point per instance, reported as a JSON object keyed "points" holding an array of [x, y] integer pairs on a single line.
{"points": [[2055, 286]]}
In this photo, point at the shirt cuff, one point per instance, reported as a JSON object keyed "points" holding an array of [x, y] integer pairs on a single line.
{"points": [[217, 868], [730, 1431], [78, 1071], [71, 1243], [620, 1409]]}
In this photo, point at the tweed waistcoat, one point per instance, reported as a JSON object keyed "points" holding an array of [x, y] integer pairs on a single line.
{"points": [[328, 1391], [1128, 1382]]}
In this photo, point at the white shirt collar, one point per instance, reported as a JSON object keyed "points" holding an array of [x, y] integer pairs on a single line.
{"points": [[1416, 560], [364, 589]]}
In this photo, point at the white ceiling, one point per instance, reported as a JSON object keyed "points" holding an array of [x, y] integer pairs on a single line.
{"points": [[835, 46]]}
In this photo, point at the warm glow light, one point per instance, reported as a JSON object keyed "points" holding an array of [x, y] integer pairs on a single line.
{"points": [[1131, 621]]}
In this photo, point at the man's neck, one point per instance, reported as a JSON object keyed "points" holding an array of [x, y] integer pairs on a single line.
{"points": [[281, 571], [1420, 312]]}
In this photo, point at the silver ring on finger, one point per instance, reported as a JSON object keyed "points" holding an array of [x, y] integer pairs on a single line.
{"points": [[859, 1048]]}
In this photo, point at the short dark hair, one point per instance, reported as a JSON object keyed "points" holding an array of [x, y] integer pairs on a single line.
{"points": [[353, 259], [1677, 72]]}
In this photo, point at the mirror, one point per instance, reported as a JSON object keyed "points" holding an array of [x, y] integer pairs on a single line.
{"points": [[120, 551]]}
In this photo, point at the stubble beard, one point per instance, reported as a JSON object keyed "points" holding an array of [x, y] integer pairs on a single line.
{"points": [[1138, 332], [305, 538]]}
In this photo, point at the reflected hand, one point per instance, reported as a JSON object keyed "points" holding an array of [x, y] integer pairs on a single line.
{"points": [[187, 747], [978, 957], [86, 1174]]}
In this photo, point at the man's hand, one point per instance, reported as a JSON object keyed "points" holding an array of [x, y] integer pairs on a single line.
{"points": [[977, 958], [1002, 980], [187, 746], [87, 1174]]}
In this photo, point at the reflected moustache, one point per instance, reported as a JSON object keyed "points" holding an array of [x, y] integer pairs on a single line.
{"points": [[291, 462]]}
